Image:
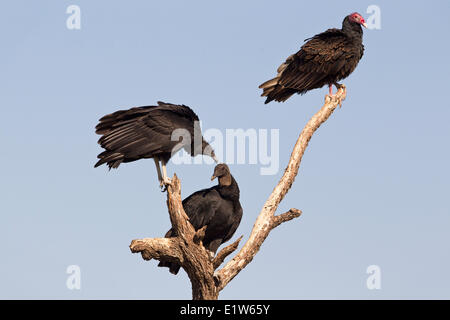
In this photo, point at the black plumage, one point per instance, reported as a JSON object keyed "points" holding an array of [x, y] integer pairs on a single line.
{"points": [[324, 59], [150, 132], [218, 208]]}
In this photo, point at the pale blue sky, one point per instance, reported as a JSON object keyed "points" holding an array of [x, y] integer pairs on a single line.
{"points": [[373, 186]]}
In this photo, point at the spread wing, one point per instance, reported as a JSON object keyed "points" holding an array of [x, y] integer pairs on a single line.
{"points": [[129, 135], [201, 206]]}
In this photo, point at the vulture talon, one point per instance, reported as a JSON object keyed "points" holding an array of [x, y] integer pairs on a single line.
{"points": [[162, 186], [164, 183]]}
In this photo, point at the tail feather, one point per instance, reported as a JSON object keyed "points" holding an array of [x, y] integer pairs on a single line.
{"points": [[173, 266], [113, 159], [274, 91], [269, 83]]}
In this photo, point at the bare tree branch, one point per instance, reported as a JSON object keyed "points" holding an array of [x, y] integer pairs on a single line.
{"points": [[225, 252], [157, 248], [178, 218], [199, 235], [264, 223], [186, 247]]}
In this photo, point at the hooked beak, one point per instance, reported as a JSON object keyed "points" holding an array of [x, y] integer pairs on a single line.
{"points": [[364, 25], [213, 177]]}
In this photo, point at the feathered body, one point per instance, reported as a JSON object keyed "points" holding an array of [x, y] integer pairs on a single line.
{"points": [[218, 208], [146, 132], [324, 59]]}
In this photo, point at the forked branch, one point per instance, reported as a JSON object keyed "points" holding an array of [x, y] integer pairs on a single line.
{"points": [[186, 248]]}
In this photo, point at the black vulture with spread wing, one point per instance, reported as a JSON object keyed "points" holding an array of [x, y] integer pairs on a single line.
{"points": [[155, 132]]}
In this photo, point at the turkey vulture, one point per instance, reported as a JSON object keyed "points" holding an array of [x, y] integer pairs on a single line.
{"points": [[324, 59], [218, 208], [150, 132]]}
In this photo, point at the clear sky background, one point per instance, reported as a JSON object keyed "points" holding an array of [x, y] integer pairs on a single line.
{"points": [[373, 185]]}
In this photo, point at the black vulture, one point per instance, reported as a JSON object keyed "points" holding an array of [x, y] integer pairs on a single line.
{"points": [[155, 132], [218, 208], [324, 59]]}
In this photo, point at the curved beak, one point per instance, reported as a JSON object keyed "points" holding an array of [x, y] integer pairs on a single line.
{"points": [[213, 177], [364, 25]]}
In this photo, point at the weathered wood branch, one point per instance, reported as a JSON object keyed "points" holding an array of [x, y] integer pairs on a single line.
{"points": [[266, 220], [291, 214], [225, 252], [157, 248], [186, 247], [178, 217], [199, 235]]}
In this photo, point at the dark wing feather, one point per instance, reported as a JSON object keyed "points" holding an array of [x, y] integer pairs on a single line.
{"points": [[319, 61], [201, 206], [238, 216], [323, 59], [142, 132], [209, 207]]}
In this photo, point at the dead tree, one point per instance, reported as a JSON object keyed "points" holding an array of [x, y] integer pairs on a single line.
{"points": [[186, 248]]}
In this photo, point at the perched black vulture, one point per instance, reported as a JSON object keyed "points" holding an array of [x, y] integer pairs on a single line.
{"points": [[218, 208], [155, 132], [324, 59]]}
